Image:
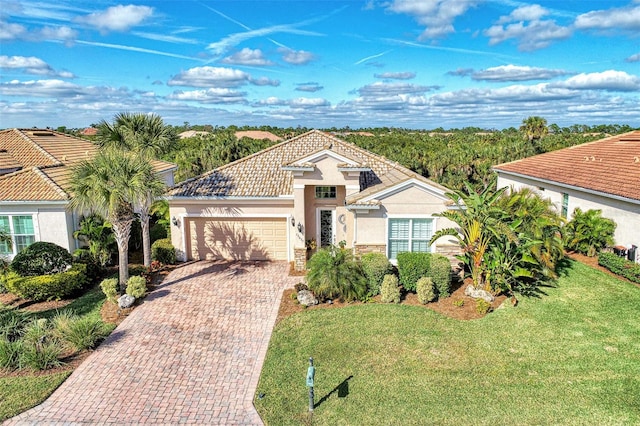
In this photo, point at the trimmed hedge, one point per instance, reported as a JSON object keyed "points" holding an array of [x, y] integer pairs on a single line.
{"points": [[136, 287], [426, 290], [48, 287], [412, 267], [163, 251], [41, 258], [621, 266], [441, 274], [375, 267], [390, 291]]}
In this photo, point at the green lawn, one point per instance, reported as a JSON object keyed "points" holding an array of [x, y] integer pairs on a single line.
{"points": [[17, 394], [571, 357]]}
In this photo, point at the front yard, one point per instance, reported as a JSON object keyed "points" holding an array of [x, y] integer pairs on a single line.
{"points": [[570, 357]]}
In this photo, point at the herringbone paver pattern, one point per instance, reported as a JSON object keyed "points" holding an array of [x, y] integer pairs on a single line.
{"points": [[191, 353]]}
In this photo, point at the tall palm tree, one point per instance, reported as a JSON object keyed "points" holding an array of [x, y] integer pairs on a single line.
{"points": [[110, 185], [534, 128], [147, 136]]}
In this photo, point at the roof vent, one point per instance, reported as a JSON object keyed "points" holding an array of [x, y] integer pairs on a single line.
{"points": [[636, 159], [42, 133]]}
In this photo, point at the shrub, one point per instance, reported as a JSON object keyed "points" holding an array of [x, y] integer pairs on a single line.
{"points": [[588, 232], [136, 287], [41, 258], [10, 352], [425, 290], [413, 266], [390, 290], [12, 323], [621, 266], [163, 251], [94, 268], [441, 274], [482, 306], [157, 232], [80, 333], [109, 287], [48, 287], [458, 302], [375, 267], [333, 273], [40, 350]]}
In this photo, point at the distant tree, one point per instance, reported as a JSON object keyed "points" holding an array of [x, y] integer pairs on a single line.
{"points": [[534, 128]]}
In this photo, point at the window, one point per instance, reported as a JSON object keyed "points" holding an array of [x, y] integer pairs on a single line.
{"points": [[325, 192], [20, 228], [565, 205], [409, 235]]}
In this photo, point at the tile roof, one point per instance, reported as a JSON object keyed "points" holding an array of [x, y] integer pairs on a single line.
{"points": [[609, 166], [261, 174], [45, 159], [257, 134]]}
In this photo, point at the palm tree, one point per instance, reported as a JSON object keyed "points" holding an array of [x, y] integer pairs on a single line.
{"points": [[480, 221], [534, 128], [110, 185], [147, 136]]}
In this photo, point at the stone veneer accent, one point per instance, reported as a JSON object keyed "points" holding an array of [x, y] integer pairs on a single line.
{"points": [[370, 248], [300, 259]]}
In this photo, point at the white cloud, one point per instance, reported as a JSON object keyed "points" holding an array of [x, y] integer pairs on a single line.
{"points": [[532, 12], [247, 57], [296, 57], [31, 65], [436, 15], [625, 18], [396, 75], [210, 77], [308, 102], [210, 96], [59, 33], [633, 58], [610, 80], [222, 46], [9, 31], [309, 87], [531, 35], [167, 38], [383, 90], [510, 72], [264, 81], [117, 18], [44, 88]]}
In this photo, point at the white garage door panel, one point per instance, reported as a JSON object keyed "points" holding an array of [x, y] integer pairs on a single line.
{"points": [[240, 239]]}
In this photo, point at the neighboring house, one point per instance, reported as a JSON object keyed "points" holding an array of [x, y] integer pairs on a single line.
{"points": [[257, 134], [192, 133], [35, 167], [603, 175], [89, 131], [315, 186]]}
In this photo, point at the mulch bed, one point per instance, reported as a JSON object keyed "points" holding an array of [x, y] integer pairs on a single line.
{"points": [[290, 306], [593, 262]]}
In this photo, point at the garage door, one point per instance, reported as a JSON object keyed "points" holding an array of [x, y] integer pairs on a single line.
{"points": [[239, 239]]}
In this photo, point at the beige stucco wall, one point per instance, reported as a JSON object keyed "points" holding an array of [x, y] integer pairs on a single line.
{"points": [[625, 214], [53, 224], [412, 202]]}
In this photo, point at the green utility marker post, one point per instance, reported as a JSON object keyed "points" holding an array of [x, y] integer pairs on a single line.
{"points": [[311, 372]]}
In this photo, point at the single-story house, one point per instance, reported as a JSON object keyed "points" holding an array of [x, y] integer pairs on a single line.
{"points": [[271, 204], [603, 174], [35, 167]]}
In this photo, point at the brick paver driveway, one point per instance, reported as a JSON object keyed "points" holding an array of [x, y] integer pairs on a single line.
{"points": [[191, 353]]}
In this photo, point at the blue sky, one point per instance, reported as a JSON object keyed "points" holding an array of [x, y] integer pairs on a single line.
{"points": [[400, 63]]}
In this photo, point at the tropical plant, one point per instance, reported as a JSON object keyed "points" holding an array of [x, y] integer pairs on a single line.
{"points": [[333, 273], [588, 232], [480, 221], [147, 136], [98, 236], [111, 184]]}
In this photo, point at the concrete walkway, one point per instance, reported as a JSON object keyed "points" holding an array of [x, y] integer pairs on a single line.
{"points": [[191, 353]]}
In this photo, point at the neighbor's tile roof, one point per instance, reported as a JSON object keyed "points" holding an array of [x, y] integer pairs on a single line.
{"points": [[46, 159], [257, 134], [610, 166], [261, 175]]}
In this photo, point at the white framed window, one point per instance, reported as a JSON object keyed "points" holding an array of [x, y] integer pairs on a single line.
{"points": [[409, 234], [21, 230], [325, 192]]}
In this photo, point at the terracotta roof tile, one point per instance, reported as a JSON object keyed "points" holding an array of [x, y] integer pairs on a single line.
{"points": [[261, 175], [257, 134], [46, 158], [610, 166]]}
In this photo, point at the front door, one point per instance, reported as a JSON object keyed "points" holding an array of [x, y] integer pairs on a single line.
{"points": [[326, 220]]}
